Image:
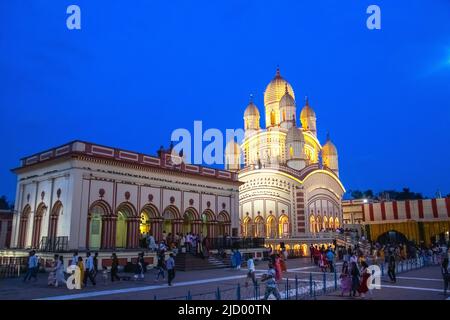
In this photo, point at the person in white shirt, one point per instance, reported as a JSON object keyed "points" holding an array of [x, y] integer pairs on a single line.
{"points": [[251, 272], [32, 267], [89, 269]]}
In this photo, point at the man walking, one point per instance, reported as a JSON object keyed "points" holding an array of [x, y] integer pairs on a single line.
{"points": [[170, 264], [391, 269], [32, 267], [89, 269]]}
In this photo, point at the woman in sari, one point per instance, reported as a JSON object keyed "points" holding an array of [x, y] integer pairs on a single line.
{"points": [[346, 279], [277, 268]]}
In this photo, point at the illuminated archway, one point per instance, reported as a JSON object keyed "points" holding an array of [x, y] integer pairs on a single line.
{"points": [[283, 226], [271, 226], [259, 227], [190, 215], [127, 226], [247, 227]]}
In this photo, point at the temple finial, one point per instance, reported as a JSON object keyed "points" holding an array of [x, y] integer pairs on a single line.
{"points": [[251, 97], [286, 87], [306, 101], [278, 75], [328, 136]]}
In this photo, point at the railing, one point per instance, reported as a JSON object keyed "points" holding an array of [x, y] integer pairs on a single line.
{"points": [[307, 287], [58, 244], [10, 270], [236, 243]]}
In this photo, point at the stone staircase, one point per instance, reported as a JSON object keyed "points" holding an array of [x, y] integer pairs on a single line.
{"points": [[189, 262]]}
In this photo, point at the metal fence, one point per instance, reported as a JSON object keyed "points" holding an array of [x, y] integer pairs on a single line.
{"points": [[307, 287]]}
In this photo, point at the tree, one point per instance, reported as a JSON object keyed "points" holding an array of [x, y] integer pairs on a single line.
{"points": [[356, 194], [368, 194], [5, 204]]}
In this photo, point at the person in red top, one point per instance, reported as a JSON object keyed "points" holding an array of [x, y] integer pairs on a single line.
{"points": [[277, 268], [363, 288]]}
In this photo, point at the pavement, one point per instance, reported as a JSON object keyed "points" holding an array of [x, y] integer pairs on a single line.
{"points": [[228, 284]]}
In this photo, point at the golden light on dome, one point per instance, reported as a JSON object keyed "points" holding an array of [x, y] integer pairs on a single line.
{"points": [[276, 89]]}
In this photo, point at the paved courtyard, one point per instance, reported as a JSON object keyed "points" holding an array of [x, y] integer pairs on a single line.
{"points": [[423, 284]]}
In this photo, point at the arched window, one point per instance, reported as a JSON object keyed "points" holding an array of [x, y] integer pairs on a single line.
{"points": [[247, 232], [283, 227], [271, 225], [24, 218], [259, 226]]}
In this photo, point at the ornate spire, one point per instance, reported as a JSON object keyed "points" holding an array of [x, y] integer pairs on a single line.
{"points": [[328, 136], [306, 101], [278, 75], [251, 98], [286, 88]]}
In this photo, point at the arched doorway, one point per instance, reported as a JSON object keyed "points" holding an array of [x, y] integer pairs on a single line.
{"points": [[24, 217], [100, 226], [53, 228], [283, 226], [127, 226], [208, 220], [259, 225], [392, 237], [150, 222], [223, 224], [312, 224], [190, 215], [37, 225], [271, 226], [95, 230], [247, 232], [121, 230], [170, 217]]}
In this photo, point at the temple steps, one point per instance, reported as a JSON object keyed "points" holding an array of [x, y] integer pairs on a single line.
{"points": [[189, 262]]}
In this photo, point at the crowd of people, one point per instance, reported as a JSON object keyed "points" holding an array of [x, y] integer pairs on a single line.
{"points": [[194, 243], [87, 269]]}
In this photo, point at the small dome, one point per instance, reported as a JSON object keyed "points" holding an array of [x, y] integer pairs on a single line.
{"points": [[232, 148], [307, 111], [294, 134], [287, 100], [329, 149], [251, 110], [276, 89]]}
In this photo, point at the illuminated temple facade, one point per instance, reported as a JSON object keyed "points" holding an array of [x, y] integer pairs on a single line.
{"points": [[291, 189]]}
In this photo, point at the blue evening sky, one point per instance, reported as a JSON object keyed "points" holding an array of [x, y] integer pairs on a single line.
{"points": [[137, 70]]}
